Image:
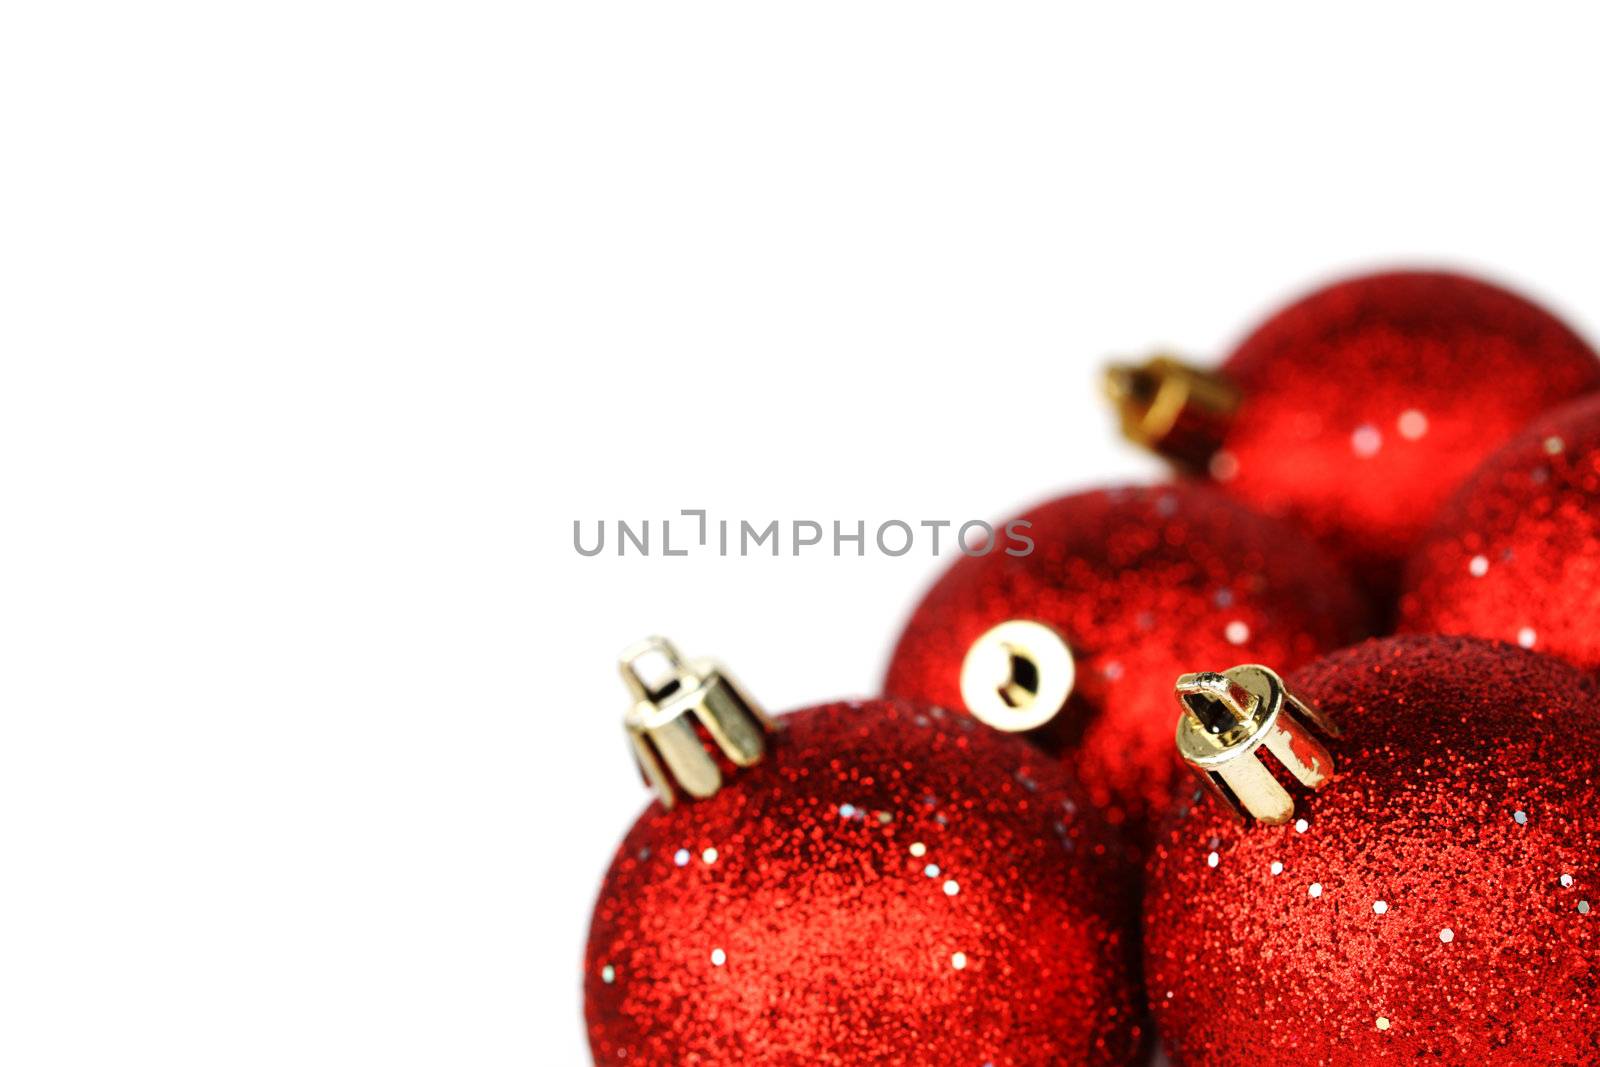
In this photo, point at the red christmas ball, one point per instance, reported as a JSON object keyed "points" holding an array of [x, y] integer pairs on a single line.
{"points": [[1124, 589], [1437, 902], [890, 885], [1355, 411], [1515, 554]]}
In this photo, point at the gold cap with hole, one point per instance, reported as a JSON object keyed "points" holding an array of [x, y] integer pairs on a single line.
{"points": [[1229, 717], [1170, 407], [1017, 676]]}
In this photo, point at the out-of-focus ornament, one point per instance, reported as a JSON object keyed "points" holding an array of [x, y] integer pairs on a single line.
{"points": [[1437, 901], [1515, 554], [1077, 643], [1356, 410], [881, 883]]}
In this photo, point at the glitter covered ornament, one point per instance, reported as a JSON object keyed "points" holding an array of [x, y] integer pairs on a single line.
{"points": [[882, 884], [1515, 554], [1356, 410], [1437, 902], [1079, 641]]}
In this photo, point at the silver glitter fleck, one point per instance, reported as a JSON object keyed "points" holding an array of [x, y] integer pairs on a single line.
{"points": [[931, 870], [1520, 817], [1380, 907], [1301, 826], [1212, 860], [1478, 566], [1277, 867], [681, 857], [709, 856], [718, 957], [1447, 935], [1566, 881], [1316, 889], [951, 888], [1583, 907], [1383, 1023], [959, 961], [1527, 636], [608, 974], [918, 849]]}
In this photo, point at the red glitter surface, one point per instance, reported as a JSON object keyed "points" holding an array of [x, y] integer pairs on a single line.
{"points": [[1515, 554], [1367, 402], [891, 886], [1142, 583], [1435, 904]]}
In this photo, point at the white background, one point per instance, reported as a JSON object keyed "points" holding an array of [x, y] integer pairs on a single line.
{"points": [[322, 322]]}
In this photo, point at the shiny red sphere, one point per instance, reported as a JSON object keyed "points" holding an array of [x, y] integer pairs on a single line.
{"points": [[1367, 402], [1515, 554], [892, 885], [1438, 902], [1142, 583]]}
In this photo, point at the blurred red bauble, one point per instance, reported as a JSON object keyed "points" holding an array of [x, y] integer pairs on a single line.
{"points": [[1515, 554], [1437, 902], [1356, 410], [888, 885], [1124, 590]]}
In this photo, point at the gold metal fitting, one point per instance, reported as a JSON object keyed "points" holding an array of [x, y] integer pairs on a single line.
{"points": [[662, 722], [1166, 405], [1017, 676], [1227, 718]]}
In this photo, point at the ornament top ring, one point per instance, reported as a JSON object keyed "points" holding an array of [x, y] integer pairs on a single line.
{"points": [[1018, 675], [1229, 717], [661, 722], [1168, 406]]}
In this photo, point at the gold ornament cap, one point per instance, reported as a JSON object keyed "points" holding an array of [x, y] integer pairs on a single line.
{"points": [[1017, 676], [662, 723], [1172, 408], [1228, 718]]}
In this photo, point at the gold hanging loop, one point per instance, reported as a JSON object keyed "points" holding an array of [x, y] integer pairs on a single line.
{"points": [[669, 712], [1229, 717]]}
